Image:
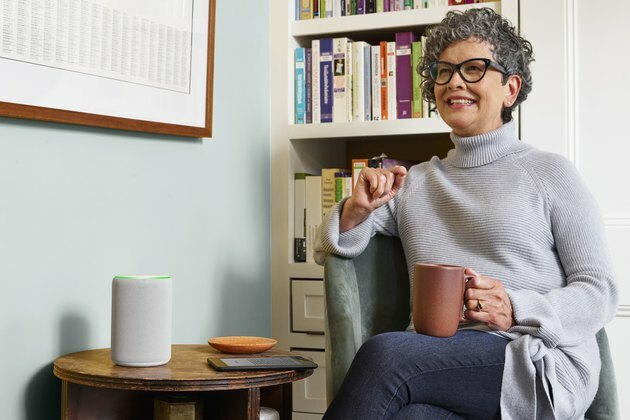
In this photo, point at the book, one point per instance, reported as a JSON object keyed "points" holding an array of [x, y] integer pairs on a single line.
{"points": [[375, 61], [361, 9], [416, 80], [328, 8], [383, 67], [370, 6], [380, 6], [357, 167], [385, 162], [349, 72], [361, 81], [300, 86], [299, 214], [313, 212], [341, 80], [305, 9], [326, 79], [315, 81], [328, 188], [404, 76], [408, 5], [315, 9], [308, 85], [391, 80], [343, 185], [336, 8]]}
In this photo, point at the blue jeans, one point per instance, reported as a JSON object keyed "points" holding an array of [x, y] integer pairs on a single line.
{"points": [[404, 375]]}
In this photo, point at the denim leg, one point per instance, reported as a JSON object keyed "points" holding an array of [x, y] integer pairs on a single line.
{"points": [[460, 374]]}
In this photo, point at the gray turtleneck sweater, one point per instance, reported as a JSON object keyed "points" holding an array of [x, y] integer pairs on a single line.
{"points": [[525, 217]]}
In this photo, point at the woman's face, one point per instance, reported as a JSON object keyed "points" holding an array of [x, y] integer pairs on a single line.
{"points": [[471, 109]]}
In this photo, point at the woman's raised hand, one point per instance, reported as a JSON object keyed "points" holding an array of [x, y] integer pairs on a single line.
{"points": [[374, 188]]}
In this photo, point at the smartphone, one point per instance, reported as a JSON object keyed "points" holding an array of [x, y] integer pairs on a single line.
{"points": [[261, 363]]}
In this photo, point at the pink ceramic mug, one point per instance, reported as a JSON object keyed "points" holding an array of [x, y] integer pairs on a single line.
{"points": [[438, 298]]}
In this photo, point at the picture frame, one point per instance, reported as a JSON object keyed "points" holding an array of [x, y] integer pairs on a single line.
{"points": [[142, 66]]}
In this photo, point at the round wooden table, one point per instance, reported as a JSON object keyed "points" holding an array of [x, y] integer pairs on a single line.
{"points": [[94, 387]]}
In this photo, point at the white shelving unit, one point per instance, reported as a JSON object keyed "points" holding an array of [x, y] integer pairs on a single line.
{"points": [[311, 147]]}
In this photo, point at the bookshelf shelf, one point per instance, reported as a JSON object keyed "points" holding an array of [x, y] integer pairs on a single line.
{"points": [[368, 129], [382, 22]]}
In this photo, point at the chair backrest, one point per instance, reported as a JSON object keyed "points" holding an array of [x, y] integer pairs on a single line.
{"points": [[369, 295]]}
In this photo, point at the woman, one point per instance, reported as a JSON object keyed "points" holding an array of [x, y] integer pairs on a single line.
{"points": [[524, 223]]}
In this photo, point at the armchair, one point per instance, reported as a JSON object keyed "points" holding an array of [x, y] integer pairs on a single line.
{"points": [[369, 295]]}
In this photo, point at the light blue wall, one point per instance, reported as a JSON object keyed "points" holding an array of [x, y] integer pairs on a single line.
{"points": [[80, 205]]}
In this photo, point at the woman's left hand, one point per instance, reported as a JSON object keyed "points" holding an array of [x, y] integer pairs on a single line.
{"points": [[487, 301]]}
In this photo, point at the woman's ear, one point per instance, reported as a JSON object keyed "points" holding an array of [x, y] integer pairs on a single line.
{"points": [[513, 87]]}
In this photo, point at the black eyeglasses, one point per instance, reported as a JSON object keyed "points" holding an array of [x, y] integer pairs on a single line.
{"points": [[472, 71]]}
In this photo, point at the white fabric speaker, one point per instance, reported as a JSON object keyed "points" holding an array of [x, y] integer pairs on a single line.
{"points": [[141, 320]]}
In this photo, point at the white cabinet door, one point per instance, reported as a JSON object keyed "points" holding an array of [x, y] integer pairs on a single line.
{"points": [[578, 108]]}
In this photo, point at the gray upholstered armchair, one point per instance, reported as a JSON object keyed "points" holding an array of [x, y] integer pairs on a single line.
{"points": [[369, 295]]}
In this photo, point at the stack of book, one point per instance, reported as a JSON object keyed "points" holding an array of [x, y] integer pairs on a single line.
{"points": [[320, 9], [340, 80]]}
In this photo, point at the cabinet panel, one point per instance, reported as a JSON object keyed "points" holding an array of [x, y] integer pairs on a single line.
{"points": [[307, 304], [309, 395]]}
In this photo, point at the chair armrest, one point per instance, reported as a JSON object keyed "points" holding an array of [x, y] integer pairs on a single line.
{"points": [[343, 319]]}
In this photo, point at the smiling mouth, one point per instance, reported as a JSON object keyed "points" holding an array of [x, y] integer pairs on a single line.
{"points": [[460, 101]]}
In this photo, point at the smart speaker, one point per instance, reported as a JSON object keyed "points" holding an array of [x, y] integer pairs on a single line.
{"points": [[141, 320]]}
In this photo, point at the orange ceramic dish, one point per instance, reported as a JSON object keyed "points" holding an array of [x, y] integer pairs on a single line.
{"points": [[242, 344]]}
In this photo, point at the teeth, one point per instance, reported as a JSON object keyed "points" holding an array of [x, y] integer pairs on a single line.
{"points": [[461, 101]]}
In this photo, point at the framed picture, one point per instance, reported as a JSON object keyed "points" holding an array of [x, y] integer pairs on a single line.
{"points": [[141, 65]]}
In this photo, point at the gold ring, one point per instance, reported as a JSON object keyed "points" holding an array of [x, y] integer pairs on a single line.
{"points": [[479, 306]]}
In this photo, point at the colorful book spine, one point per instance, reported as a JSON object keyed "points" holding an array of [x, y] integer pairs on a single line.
{"points": [[337, 8], [343, 185], [349, 72], [380, 6], [305, 10], [315, 82], [329, 8], [408, 4], [308, 64], [299, 214], [383, 67], [375, 61], [348, 8], [416, 80], [326, 79], [361, 7], [391, 80], [313, 216], [315, 9], [340, 80], [328, 188], [399, 5], [361, 81], [370, 6], [300, 86], [404, 76]]}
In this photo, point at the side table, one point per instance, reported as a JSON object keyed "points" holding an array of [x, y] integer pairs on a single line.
{"points": [[94, 387]]}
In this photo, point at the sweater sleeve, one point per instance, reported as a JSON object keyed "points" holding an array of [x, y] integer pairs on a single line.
{"points": [[353, 242], [567, 316]]}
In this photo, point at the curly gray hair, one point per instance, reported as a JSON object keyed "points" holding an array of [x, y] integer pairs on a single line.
{"points": [[508, 48]]}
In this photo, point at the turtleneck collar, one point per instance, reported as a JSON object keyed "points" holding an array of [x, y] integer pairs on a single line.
{"points": [[485, 148]]}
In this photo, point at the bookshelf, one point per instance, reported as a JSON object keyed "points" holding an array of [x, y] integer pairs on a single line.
{"points": [[311, 147]]}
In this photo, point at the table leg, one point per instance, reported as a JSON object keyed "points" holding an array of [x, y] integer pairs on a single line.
{"points": [[241, 404]]}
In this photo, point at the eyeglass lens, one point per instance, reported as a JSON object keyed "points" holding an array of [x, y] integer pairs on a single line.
{"points": [[470, 70]]}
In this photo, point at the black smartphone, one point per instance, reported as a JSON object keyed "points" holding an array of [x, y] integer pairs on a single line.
{"points": [[261, 363]]}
